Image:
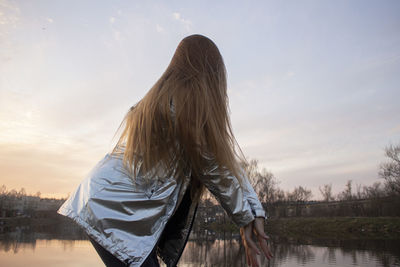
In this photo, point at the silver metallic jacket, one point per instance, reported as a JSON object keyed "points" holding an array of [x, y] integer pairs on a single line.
{"points": [[131, 217]]}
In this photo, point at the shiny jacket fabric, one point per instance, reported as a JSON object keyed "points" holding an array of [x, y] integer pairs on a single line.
{"points": [[129, 217]]}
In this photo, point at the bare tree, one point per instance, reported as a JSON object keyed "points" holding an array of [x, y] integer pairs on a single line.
{"points": [[374, 191], [300, 194], [3, 196], [346, 194], [3, 190], [326, 192], [360, 193], [279, 195], [390, 171], [13, 193], [263, 182], [21, 192]]}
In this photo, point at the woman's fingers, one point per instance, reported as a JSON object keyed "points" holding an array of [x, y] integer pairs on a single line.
{"points": [[265, 248], [259, 228], [247, 234], [247, 256], [262, 237], [251, 248], [254, 261], [251, 258]]}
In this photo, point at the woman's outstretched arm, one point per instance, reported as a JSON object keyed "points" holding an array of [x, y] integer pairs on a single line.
{"points": [[251, 249], [242, 205]]}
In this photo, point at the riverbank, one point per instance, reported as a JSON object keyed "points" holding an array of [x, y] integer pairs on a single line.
{"points": [[336, 227], [313, 227], [326, 227]]}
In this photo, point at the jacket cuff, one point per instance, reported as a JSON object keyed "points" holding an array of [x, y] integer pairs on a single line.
{"points": [[243, 220], [259, 213]]}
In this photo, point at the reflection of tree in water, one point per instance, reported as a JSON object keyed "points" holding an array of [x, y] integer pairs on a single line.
{"points": [[20, 237], [224, 249], [329, 255], [218, 252], [382, 252], [25, 236], [303, 254]]}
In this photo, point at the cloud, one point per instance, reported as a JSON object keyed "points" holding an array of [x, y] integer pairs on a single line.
{"points": [[117, 36], [9, 19], [176, 15], [377, 62], [54, 171], [394, 130], [186, 23], [159, 28], [9, 14], [290, 73]]}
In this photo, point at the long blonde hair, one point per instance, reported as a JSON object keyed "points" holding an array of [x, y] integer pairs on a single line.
{"points": [[183, 119]]}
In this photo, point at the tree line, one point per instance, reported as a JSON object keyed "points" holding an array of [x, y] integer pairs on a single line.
{"points": [[267, 186]]}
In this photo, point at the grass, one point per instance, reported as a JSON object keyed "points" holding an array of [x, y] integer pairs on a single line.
{"points": [[336, 227]]}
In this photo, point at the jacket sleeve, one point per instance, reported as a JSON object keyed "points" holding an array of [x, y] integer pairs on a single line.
{"points": [[240, 202], [252, 198]]}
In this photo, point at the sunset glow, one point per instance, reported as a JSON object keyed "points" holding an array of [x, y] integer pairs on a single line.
{"points": [[314, 89]]}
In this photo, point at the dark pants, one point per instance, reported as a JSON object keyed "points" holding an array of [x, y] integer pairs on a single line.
{"points": [[111, 261]]}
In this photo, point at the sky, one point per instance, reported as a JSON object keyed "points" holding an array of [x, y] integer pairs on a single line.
{"points": [[314, 86]]}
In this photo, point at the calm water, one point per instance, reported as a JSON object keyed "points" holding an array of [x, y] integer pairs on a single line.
{"points": [[31, 247]]}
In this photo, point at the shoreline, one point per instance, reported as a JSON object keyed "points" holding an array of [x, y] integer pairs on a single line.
{"points": [[336, 227], [325, 227], [313, 227]]}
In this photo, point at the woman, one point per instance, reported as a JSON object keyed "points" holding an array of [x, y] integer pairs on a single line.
{"points": [[141, 199]]}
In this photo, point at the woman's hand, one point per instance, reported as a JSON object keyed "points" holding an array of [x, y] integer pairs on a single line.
{"points": [[251, 249]]}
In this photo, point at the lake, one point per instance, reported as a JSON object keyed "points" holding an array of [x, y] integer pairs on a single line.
{"points": [[23, 247]]}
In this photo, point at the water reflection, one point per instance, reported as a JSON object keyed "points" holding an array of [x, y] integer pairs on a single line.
{"points": [[60, 253], [67, 246], [214, 253], [24, 237], [297, 253]]}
